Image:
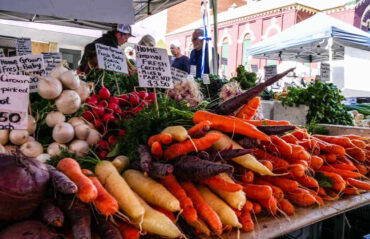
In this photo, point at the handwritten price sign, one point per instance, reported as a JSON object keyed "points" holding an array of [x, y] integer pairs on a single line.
{"points": [[110, 58], [153, 67], [14, 95]]}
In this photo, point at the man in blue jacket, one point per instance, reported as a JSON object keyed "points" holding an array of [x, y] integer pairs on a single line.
{"points": [[196, 54]]}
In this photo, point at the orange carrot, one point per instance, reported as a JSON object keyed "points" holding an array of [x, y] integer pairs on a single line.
{"points": [[319, 200], [339, 140], [308, 181], [128, 231], [189, 212], [338, 182], [359, 143], [167, 213], [286, 207], [351, 191], [301, 134], [287, 185], [105, 203], [246, 221], [356, 153], [219, 183], [289, 138], [346, 160], [87, 192], [270, 204], [248, 206], [330, 148], [301, 197], [284, 148], [276, 191], [278, 163], [268, 122], [163, 138], [297, 170], [196, 128], [257, 208], [361, 168], [157, 150], [187, 146], [249, 109], [298, 153], [316, 162], [309, 144], [230, 125], [267, 164], [257, 192], [321, 191], [341, 172], [247, 177], [359, 184], [207, 213], [344, 166], [351, 136], [331, 158]]}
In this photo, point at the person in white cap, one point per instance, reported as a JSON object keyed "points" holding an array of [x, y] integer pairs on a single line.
{"points": [[181, 61], [116, 37]]}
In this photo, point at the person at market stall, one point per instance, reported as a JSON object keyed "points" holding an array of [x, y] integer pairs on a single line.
{"points": [[196, 53], [180, 62], [116, 37], [147, 40]]}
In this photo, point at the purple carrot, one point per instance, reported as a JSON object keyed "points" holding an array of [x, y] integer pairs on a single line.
{"points": [[228, 154], [107, 230], [248, 143], [79, 216], [278, 129], [145, 158], [61, 182], [51, 214], [236, 102], [192, 168], [202, 132], [203, 155], [160, 170]]}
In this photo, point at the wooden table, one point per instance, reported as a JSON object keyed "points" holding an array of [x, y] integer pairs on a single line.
{"points": [[270, 227]]}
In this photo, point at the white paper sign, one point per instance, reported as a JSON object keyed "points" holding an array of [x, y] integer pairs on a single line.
{"points": [[254, 68], [110, 58], [22, 65], [325, 72], [205, 78], [51, 60], [178, 75], [270, 71], [153, 67], [193, 70], [23, 46], [2, 52], [14, 95]]}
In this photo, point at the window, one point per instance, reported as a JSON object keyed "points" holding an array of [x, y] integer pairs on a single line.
{"points": [[271, 63], [246, 43], [224, 55]]}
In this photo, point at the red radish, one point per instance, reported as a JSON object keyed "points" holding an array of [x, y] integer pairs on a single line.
{"points": [[103, 154], [151, 97], [123, 99], [104, 93], [114, 100], [136, 110], [134, 99], [98, 110], [103, 144], [88, 115], [98, 123], [92, 101], [103, 103], [121, 132], [118, 111], [143, 94], [112, 139], [108, 117], [113, 106]]}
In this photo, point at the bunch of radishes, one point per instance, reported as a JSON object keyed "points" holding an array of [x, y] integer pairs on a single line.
{"points": [[105, 113]]}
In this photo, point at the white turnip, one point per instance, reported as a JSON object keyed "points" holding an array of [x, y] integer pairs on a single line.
{"points": [[43, 158], [4, 136], [30, 138], [79, 147], [74, 121], [63, 133], [70, 80], [18, 136], [31, 127], [55, 149], [58, 71], [93, 137], [82, 131], [2, 149], [32, 149], [54, 117], [49, 88], [68, 102], [83, 91]]}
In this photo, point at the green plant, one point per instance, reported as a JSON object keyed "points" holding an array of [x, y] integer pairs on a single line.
{"points": [[324, 101], [214, 87], [246, 79]]}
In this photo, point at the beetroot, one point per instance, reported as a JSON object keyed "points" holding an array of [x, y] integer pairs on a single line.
{"points": [[28, 230], [22, 184]]}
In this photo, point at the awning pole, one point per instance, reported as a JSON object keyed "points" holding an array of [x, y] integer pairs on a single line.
{"points": [[330, 45], [215, 54], [310, 67]]}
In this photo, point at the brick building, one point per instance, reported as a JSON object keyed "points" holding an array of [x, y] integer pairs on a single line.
{"points": [[244, 25]]}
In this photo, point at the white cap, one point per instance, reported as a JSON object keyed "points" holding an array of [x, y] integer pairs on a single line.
{"points": [[126, 29]]}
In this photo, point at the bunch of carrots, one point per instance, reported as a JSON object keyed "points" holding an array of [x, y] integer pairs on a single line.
{"points": [[213, 183]]}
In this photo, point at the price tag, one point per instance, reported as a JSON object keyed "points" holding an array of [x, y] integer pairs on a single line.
{"points": [[325, 72], [178, 75], [111, 58], [14, 95], [51, 60], [2, 52], [23, 46], [153, 67], [193, 70], [22, 65], [205, 78], [270, 71]]}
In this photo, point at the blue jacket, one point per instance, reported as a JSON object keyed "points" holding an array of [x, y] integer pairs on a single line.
{"points": [[196, 59]]}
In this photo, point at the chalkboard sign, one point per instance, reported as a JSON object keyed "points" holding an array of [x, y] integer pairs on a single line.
{"points": [[23, 65], [2, 52], [178, 75], [153, 67], [325, 72], [23, 46], [14, 95], [270, 71], [111, 58], [51, 60]]}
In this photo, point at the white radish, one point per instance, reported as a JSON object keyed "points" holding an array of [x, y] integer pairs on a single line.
{"points": [[82, 131], [49, 88], [58, 71], [68, 102], [70, 80], [31, 127], [79, 147], [30, 138], [55, 149], [19, 136], [43, 158], [63, 133], [74, 121], [32, 149], [54, 117], [93, 137], [4, 136], [83, 91]]}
